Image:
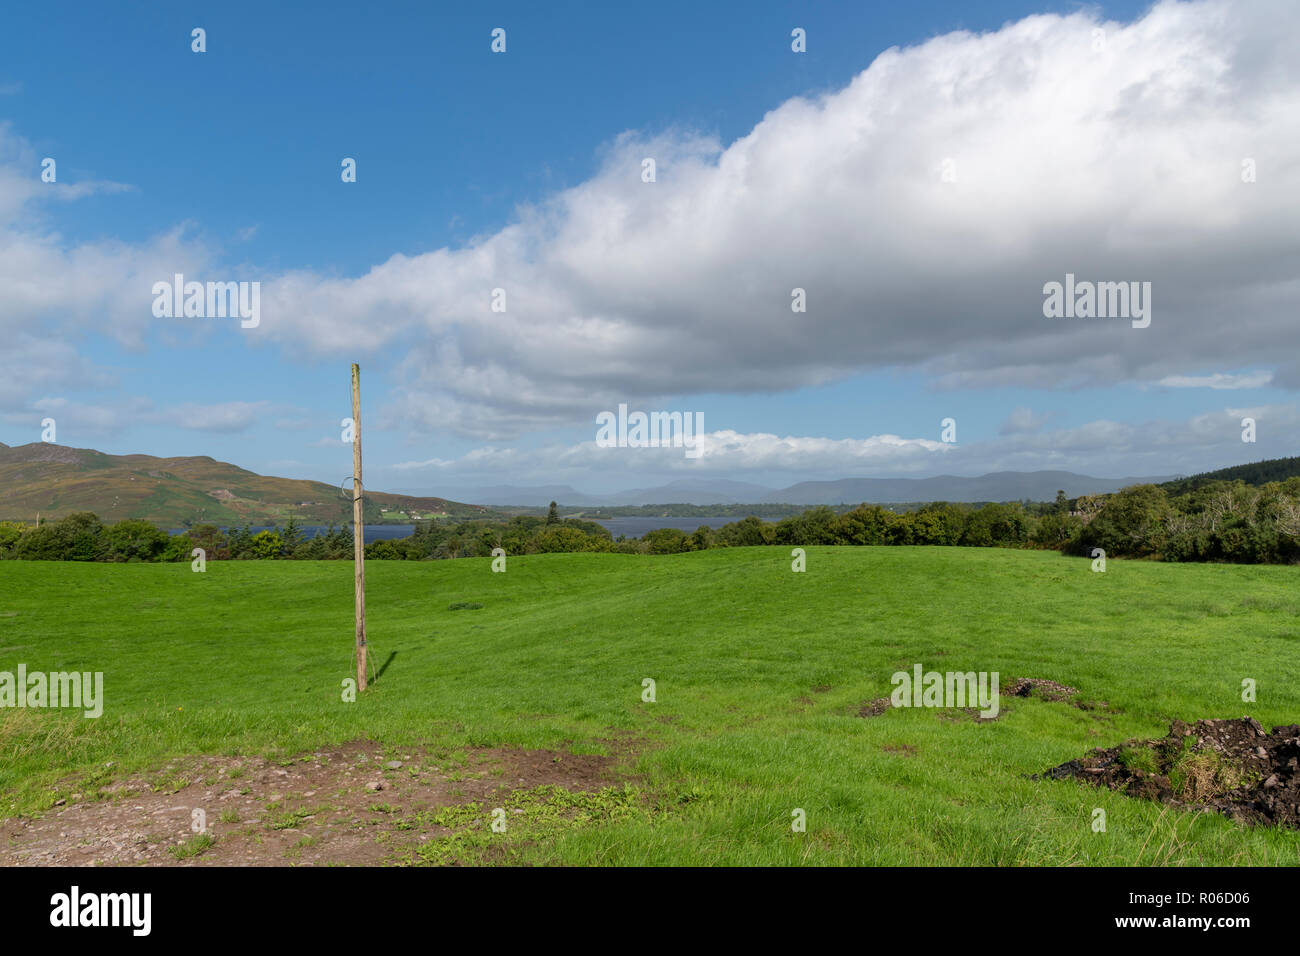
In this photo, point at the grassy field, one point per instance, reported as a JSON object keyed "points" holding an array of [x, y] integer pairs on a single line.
{"points": [[760, 673]]}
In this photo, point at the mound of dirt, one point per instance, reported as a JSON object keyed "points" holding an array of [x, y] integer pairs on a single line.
{"points": [[1232, 766], [1037, 687], [874, 708]]}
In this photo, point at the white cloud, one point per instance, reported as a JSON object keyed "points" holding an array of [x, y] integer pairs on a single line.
{"points": [[1219, 380], [1102, 448], [1119, 164], [1115, 165], [720, 452]]}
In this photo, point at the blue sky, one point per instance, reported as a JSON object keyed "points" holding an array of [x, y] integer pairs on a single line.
{"points": [[519, 170]]}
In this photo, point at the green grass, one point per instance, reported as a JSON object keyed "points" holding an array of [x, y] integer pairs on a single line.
{"points": [[249, 657], [196, 845]]}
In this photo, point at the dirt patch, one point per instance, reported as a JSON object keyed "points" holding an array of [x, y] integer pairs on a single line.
{"points": [[907, 750], [955, 715], [1232, 766], [1037, 687], [354, 805], [1050, 690], [874, 708]]}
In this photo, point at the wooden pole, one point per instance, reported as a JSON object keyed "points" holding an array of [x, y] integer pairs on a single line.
{"points": [[358, 528]]}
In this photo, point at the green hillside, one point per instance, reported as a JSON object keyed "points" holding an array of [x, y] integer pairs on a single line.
{"points": [[55, 481], [1255, 473]]}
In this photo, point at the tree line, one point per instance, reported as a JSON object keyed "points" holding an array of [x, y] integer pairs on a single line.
{"points": [[1216, 521]]}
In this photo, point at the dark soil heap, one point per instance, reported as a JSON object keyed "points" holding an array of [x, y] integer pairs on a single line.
{"points": [[1233, 766], [1037, 687]]}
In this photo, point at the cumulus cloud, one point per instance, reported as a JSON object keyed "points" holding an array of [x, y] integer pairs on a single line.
{"points": [[59, 292], [922, 208], [1102, 448]]}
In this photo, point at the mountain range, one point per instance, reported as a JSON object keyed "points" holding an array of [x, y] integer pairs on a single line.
{"points": [[996, 486], [55, 480]]}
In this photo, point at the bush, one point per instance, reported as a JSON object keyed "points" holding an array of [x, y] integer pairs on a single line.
{"points": [[265, 544], [665, 541], [1133, 521], [134, 540]]}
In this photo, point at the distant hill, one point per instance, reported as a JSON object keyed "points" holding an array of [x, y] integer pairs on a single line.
{"points": [[695, 491], [55, 480], [998, 486], [701, 491], [1255, 473]]}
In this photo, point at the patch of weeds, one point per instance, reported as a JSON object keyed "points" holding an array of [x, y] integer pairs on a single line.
{"points": [[692, 794], [464, 606], [1139, 758], [173, 784], [535, 816], [1200, 774], [294, 852], [229, 815], [196, 845], [289, 820]]}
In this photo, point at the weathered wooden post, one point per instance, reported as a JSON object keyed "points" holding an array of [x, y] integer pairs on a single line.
{"points": [[358, 528]]}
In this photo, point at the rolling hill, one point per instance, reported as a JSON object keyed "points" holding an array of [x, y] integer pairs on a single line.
{"points": [[55, 480], [1254, 473]]}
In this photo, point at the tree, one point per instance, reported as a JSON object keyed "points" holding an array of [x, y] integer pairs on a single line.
{"points": [[561, 539], [1062, 503], [292, 536], [10, 532], [553, 515], [135, 540], [665, 541], [1133, 521], [82, 536], [266, 544]]}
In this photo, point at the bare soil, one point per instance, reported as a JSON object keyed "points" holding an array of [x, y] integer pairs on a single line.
{"points": [[353, 805], [1039, 687], [1232, 766]]}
